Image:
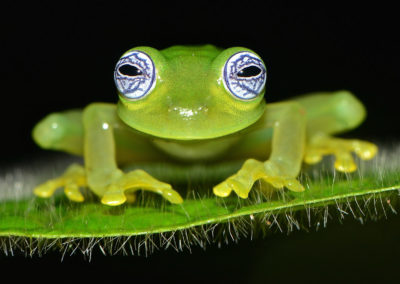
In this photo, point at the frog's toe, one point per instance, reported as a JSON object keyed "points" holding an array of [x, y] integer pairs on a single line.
{"points": [[114, 196], [71, 180], [276, 182], [238, 183], [312, 156], [128, 183], [322, 145], [240, 186], [280, 182], [342, 150], [222, 189], [71, 190], [251, 171], [344, 162], [170, 194], [47, 189], [241, 183], [294, 185], [365, 150]]}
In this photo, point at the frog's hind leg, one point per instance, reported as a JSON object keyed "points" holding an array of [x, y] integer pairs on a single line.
{"points": [[329, 114], [321, 145], [73, 178], [62, 131]]}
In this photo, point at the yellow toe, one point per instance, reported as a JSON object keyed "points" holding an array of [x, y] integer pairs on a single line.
{"points": [[275, 182], [113, 198], [242, 190], [366, 151], [222, 190], [42, 192], [73, 193], [294, 185], [172, 196], [312, 157], [345, 165], [46, 189]]}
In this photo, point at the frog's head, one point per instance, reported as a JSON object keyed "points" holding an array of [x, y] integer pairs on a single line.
{"points": [[188, 93]]}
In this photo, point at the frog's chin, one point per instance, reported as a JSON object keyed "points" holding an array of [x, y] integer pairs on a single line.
{"points": [[187, 131], [203, 126], [188, 135]]}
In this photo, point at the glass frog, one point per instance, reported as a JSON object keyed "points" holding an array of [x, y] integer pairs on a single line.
{"points": [[198, 104]]}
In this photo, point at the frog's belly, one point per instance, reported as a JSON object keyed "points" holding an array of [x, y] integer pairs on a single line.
{"points": [[200, 150], [132, 147]]}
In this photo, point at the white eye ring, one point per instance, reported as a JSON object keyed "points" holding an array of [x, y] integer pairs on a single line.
{"points": [[135, 75], [244, 75]]}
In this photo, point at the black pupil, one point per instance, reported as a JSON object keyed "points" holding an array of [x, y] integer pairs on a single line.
{"points": [[129, 70], [250, 71]]}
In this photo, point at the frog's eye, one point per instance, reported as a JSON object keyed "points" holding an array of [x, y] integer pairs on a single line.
{"points": [[244, 75], [135, 75]]}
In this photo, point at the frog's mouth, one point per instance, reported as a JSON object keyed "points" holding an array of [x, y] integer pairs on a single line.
{"points": [[186, 124]]}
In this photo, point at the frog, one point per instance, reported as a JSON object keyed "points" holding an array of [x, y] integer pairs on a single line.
{"points": [[198, 104]]}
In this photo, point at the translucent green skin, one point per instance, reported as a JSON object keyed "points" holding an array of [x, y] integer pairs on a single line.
{"points": [[190, 116]]}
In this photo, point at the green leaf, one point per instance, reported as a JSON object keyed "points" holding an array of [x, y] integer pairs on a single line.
{"points": [[370, 192]]}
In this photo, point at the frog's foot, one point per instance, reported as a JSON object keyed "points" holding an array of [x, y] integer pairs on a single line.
{"points": [[123, 187], [73, 178], [321, 145], [251, 171]]}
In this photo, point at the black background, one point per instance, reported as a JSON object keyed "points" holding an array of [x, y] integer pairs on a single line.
{"points": [[60, 56]]}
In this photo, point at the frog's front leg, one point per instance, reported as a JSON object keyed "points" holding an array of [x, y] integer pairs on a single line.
{"points": [[101, 173], [289, 127], [328, 114]]}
